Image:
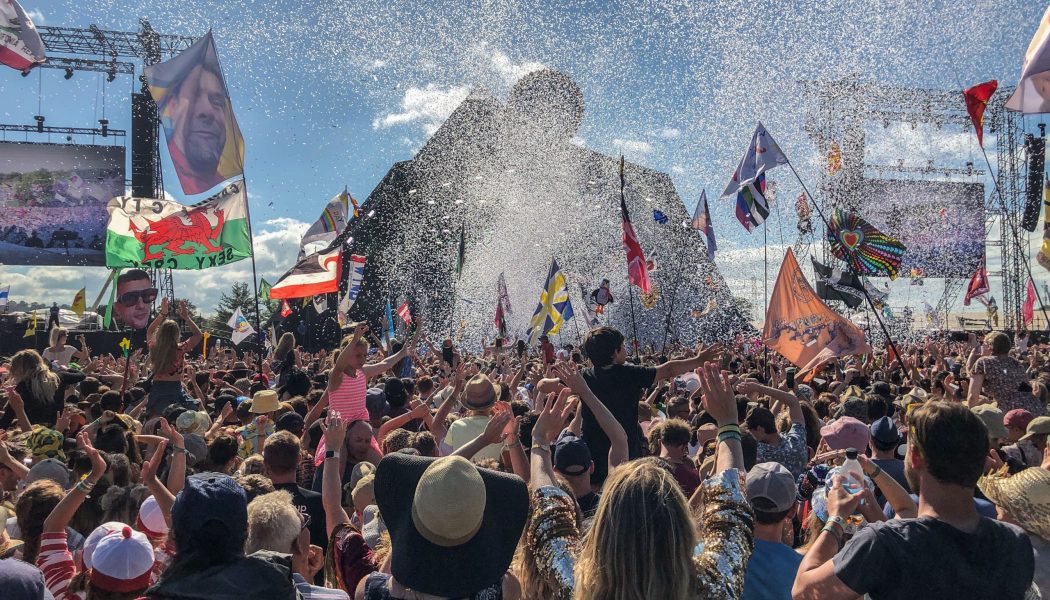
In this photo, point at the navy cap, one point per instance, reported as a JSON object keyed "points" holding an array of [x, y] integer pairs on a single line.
{"points": [[884, 431], [211, 497], [291, 421], [571, 455], [375, 402]]}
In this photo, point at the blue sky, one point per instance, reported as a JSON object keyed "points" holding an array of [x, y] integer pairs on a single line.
{"points": [[332, 94]]}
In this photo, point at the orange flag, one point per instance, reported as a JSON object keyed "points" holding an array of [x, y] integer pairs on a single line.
{"points": [[802, 328]]}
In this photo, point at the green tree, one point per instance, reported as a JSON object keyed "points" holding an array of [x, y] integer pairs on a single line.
{"points": [[240, 296]]}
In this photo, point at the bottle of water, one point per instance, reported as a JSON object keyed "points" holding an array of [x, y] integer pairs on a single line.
{"points": [[853, 482]]}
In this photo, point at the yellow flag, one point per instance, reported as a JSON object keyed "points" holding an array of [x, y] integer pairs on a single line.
{"points": [[31, 329], [1043, 256], [80, 302]]}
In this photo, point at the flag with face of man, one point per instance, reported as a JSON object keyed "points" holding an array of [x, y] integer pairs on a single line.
{"points": [[204, 141]]}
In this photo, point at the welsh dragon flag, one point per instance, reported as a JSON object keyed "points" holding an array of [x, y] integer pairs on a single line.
{"points": [[144, 232]]}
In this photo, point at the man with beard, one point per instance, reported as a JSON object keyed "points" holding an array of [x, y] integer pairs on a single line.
{"points": [[950, 548], [198, 115]]}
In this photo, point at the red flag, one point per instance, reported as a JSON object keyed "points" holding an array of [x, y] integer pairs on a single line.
{"points": [[637, 272], [405, 314], [978, 284], [976, 101], [285, 309], [1028, 310]]}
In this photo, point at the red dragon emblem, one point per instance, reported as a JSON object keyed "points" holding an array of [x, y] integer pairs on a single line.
{"points": [[173, 233]]}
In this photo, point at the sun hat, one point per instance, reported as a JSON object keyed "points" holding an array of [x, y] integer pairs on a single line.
{"points": [[208, 497], [8, 546], [1018, 417], [918, 393], [50, 468], [364, 492], [122, 562], [44, 442], [1025, 496], [846, 432], [264, 401], [151, 519], [1037, 426], [92, 540], [192, 421], [360, 470], [453, 527], [992, 418], [479, 393], [197, 448], [771, 487], [240, 370]]}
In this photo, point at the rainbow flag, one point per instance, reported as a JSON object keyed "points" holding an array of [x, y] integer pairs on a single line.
{"points": [[332, 221]]}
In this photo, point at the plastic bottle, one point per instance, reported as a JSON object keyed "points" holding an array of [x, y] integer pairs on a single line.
{"points": [[853, 482]]}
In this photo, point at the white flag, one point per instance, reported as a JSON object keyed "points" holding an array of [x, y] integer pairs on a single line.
{"points": [[331, 222], [320, 303], [1032, 95], [240, 326], [763, 154], [5, 293]]}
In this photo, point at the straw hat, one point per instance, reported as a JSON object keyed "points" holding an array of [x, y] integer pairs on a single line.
{"points": [[479, 393], [453, 527], [1024, 496], [264, 401]]}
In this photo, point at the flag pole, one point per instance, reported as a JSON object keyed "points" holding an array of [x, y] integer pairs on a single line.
{"points": [[849, 266], [674, 297], [1013, 230], [765, 290], [630, 288]]}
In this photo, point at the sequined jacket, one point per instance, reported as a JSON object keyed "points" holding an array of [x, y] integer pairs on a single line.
{"points": [[727, 537]]}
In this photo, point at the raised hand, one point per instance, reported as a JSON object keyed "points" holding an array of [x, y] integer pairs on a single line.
{"points": [[334, 431], [569, 374], [98, 464], [171, 433], [149, 467], [164, 307], [710, 353], [552, 418], [718, 395], [841, 503], [494, 429]]}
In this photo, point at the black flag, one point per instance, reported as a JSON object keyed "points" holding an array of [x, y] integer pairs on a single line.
{"points": [[835, 284]]}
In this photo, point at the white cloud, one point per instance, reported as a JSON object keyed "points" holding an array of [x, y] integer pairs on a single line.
{"points": [[509, 71], [36, 16], [636, 146], [428, 106], [669, 133], [678, 169]]}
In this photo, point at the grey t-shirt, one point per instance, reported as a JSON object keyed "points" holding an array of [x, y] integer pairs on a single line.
{"points": [[926, 558]]}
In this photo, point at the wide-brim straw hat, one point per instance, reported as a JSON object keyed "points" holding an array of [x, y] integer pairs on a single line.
{"points": [[1025, 496], [265, 401], [453, 526], [479, 393]]}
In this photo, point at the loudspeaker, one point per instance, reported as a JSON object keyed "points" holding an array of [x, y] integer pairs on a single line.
{"points": [[144, 156], [1035, 147]]}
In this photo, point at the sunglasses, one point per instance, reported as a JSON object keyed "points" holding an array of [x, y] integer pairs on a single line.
{"points": [[131, 298]]}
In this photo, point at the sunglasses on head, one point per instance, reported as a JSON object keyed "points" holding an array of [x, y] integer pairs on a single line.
{"points": [[131, 298]]}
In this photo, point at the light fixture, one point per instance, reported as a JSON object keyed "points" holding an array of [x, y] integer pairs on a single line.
{"points": [[25, 73], [39, 123], [111, 74], [105, 126], [69, 73]]}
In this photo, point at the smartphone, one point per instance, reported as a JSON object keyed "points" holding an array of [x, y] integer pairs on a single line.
{"points": [[499, 342], [521, 348], [790, 377], [446, 351]]}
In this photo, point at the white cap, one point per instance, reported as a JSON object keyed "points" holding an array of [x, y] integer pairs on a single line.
{"points": [[151, 518]]}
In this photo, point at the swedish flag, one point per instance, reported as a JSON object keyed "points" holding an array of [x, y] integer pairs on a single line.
{"points": [[554, 309]]}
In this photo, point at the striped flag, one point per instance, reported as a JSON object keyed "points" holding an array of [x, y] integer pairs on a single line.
{"points": [[20, 45], [702, 222], [405, 314]]}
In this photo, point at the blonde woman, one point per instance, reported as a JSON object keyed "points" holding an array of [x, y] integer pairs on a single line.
{"points": [[34, 386], [285, 358], [59, 352], [167, 355], [641, 543]]}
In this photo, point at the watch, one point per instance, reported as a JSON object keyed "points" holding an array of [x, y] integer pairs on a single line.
{"points": [[331, 454], [178, 450]]}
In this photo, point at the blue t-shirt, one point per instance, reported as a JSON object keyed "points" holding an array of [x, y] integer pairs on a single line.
{"points": [[771, 571]]}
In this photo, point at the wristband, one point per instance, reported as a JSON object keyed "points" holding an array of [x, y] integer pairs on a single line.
{"points": [[725, 436], [516, 444], [729, 427], [331, 454], [835, 533], [538, 446], [836, 520], [177, 450], [85, 486], [876, 472]]}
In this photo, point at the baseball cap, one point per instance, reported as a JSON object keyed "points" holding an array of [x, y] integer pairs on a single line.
{"points": [[151, 519], [1018, 417], [1037, 426], [95, 537], [375, 402], [771, 487], [884, 431], [846, 432], [122, 562], [210, 497], [291, 421], [52, 469], [992, 418], [571, 455]]}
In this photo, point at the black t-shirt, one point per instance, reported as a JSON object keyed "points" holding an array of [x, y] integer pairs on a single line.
{"points": [[619, 387], [926, 558], [309, 503], [589, 504]]}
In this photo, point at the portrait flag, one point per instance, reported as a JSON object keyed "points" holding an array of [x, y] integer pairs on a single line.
{"points": [[802, 328], [20, 45], [145, 232], [1032, 95], [203, 139], [79, 305], [977, 98]]}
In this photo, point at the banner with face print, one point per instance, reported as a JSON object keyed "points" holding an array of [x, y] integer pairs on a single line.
{"points": [[203, 138]]}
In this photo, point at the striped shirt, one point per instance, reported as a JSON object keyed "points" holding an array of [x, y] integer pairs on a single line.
{"points": [[349, 398], [56, 562], [314, 592]]}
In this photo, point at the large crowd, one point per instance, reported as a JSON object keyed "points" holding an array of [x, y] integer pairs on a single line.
{"points": [[417, 469]]}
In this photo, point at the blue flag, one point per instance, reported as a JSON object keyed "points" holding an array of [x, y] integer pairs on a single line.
{"points": [[390, 321], [554, 308]]}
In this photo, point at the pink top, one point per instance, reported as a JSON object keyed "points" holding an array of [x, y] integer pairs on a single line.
{"points": [[349, 401]]}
